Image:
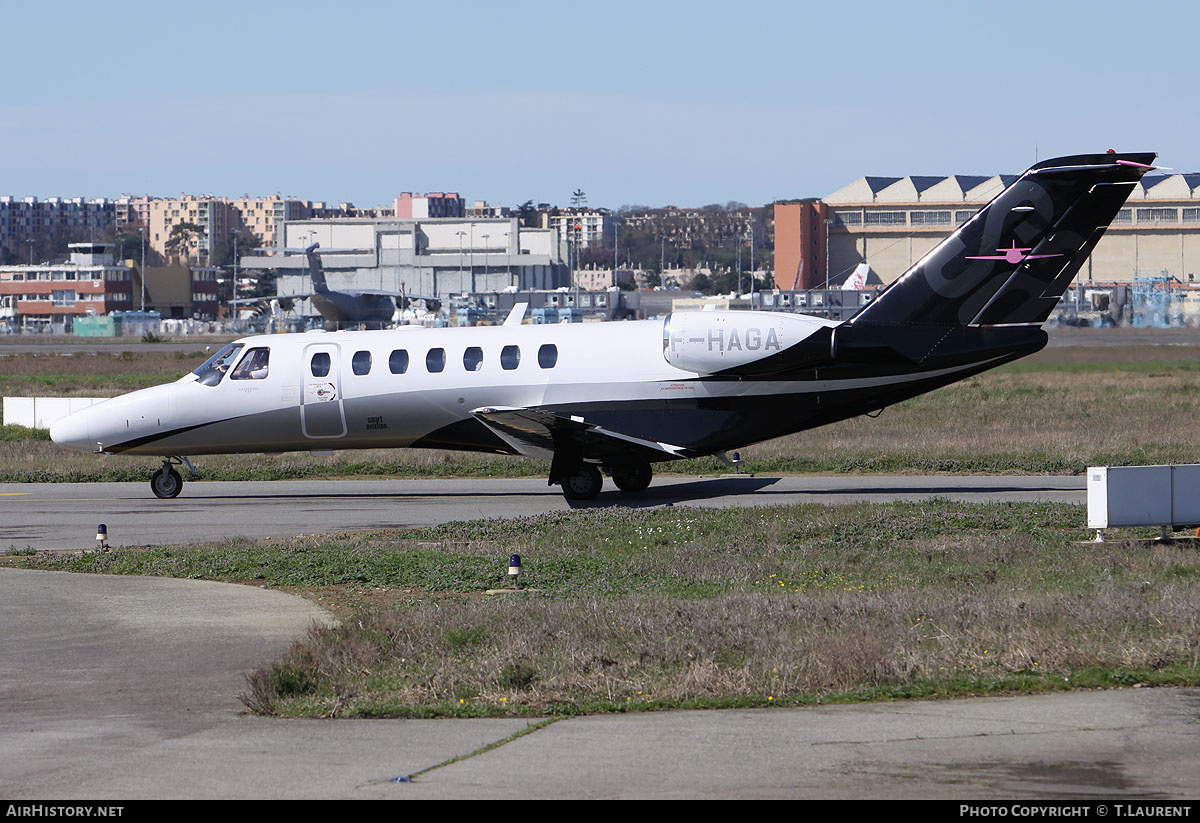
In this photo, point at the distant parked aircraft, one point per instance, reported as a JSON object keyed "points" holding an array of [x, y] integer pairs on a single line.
{"points": [[344, 308]]}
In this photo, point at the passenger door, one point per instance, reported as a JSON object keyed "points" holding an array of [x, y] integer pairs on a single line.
{"points": [[321, 413]]}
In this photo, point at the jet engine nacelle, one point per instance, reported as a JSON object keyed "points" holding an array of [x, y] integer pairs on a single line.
{"points": [[707, 342]]}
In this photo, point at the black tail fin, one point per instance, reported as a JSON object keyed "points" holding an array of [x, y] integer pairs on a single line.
{"points": [[316, 271], [1012, 261]]}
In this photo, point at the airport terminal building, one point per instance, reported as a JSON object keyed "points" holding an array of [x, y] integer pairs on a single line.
{"points": [[891, 222]]}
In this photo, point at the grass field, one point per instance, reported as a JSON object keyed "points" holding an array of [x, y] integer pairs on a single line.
{"points": [[1059, 411], [680, 607], [646, 609]]}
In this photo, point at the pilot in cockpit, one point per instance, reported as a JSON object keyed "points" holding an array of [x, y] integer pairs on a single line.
{"points": [[253, 365]]}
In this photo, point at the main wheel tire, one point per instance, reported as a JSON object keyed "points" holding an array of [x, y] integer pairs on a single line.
{"points": [[583, 484], [166, 483], [633, 478]]}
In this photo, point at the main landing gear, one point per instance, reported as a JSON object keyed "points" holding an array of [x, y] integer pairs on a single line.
{"points": [[166, 482], [633, 478], [583, 481]]}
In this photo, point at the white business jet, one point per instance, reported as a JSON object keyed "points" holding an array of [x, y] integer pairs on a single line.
{"points": [[619, 397]]}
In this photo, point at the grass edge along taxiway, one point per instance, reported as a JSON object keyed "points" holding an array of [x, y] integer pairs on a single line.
{"points": [[688, 608]]}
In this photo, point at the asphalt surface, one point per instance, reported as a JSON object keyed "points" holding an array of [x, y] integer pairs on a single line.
{"points": [[126, 687], [47, 516]]}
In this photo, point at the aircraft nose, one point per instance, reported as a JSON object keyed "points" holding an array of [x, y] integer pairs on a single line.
{"points": [[73, 431]]}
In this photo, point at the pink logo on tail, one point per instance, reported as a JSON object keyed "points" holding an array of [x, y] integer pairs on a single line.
{"points": [[1014, 255]]}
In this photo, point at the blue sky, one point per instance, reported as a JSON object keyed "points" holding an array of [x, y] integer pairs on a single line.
{"points": [[634, 102]]}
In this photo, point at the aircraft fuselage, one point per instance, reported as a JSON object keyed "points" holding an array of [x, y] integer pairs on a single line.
{"points": [[415, 387]]}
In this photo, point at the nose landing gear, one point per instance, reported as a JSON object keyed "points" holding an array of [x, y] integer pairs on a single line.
{"points": [[166, 482]]}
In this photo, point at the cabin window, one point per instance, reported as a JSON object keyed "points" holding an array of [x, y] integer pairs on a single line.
{"points": [[253, 365], [213, 369], [319, 365], [473, 358], [398, 362], [435, 361], [548, 356], [510, 357], [361, 362]]}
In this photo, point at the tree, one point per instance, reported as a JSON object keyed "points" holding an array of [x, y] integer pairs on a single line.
{"points": [[245, 242], [127, 246], [180, 240], [527, 214]]}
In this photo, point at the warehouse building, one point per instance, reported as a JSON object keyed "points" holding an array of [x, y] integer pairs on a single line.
{"points": [[891, 222], [434, 257]]}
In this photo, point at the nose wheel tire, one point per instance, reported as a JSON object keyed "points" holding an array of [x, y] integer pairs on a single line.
{"points": [[166, 483], [583, 484]]}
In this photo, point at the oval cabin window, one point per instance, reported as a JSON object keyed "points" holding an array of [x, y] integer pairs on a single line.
{"points": [[510, 357], [361, 362], [473, 358], [319, 365], [435, 361], [398, 361]]}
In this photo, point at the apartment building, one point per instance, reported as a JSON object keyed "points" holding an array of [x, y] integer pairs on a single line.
{"points": [[431, 204], [481, 208], [263, 216], [30, 227], [584, 227], [218, 218], [209, 214]]}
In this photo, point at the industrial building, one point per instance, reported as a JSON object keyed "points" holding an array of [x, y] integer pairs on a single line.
{"points": [[891, 222], [434, 257]]}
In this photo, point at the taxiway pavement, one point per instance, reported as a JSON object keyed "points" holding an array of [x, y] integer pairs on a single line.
{"points": [[46, 516]]}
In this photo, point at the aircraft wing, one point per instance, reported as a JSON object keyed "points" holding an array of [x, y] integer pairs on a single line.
{"points": [[539, 433], [303, 294], [405, 294]]}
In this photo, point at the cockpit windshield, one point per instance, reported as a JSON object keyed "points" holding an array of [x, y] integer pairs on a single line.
{"points": [[213, 369]]}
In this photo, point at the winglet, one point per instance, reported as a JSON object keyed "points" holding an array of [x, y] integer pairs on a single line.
{"points": [[516, 315]]}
